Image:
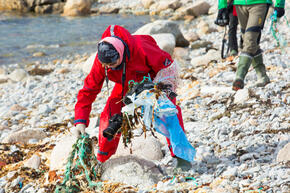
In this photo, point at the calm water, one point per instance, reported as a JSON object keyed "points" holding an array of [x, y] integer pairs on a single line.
{"points": [[56, 36]]}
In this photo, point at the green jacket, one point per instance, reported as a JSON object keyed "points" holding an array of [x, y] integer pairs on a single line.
{"points": [[278, 3]]}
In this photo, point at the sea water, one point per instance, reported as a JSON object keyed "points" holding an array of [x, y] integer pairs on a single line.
{"points": [[54, 36]]}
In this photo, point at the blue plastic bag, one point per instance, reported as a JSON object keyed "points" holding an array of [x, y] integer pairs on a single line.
{"points": [[165, 121]]}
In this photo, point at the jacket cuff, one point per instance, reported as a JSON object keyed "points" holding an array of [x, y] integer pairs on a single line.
{"points": [[80, 121]]}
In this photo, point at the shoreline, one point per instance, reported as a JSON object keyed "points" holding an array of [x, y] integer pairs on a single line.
{"points": [[240, 137]]}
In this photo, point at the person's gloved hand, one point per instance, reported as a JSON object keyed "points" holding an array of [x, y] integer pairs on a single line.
{"points": [[280, 11], [222, 17], [78, 130]]}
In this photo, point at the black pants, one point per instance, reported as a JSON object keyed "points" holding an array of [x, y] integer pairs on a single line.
{"points": [[233, 43]]}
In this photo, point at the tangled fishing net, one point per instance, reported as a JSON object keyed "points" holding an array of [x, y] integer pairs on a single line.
{"points": [[82, 169]]}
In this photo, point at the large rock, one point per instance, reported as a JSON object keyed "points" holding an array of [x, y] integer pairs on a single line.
{"points": [[147, 3], [132, 171], [165, 5], [61, 152], [193, 9], [88, 64], [55, 8], [205, 59], [165, 41], [38, 6], [77, 8], [18, 75], [284, 154], [24, 136], [148, 148], [164, 26], [199, 8], [6, 5]]}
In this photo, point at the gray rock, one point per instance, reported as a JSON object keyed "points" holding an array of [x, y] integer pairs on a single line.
{"points": [[24, 136], [131, 170], [140, 148], [164, 26], [166, 41]]}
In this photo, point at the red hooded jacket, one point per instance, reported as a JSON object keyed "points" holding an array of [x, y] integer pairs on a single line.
{"points": [[145, 58]]}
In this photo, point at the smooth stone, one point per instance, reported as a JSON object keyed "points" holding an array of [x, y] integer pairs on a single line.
{"points": [[33, 162]]}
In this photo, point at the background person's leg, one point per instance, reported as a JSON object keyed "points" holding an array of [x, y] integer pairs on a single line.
{"points": [[233, 42]]}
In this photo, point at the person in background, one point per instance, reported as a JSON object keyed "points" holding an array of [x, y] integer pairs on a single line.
{"points": [[121, 57], [231, 19], [251, 16], [233, 25]]}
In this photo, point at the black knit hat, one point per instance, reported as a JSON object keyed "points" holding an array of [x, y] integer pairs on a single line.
{"points": [[107, 53]]}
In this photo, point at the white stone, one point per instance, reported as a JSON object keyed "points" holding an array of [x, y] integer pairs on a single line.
{"points": [[148, 148], [87, 65], [33, 162], [166, 41], [23, 136], [284, 154], [18, 75], [131, 170], [241, 96], [61, 152]]}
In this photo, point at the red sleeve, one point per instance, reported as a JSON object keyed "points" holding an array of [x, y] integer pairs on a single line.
{"points": [[156, 58], [92, 87]]}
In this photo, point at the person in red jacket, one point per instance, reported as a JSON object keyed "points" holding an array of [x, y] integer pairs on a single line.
{"points": [[121, 57]]}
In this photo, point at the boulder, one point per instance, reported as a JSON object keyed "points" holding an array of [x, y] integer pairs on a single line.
{"points": [[164, 26], [61, 152], [148, 148], [147, 3], [284, 154], [198, 8], [132, 171], [24, 136], [88, 64], [166, 41], [18, 75], [38, 6], [77, 8], [9, 5]]}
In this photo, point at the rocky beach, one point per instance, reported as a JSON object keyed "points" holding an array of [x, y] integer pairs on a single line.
{"points": [[242, 138]]}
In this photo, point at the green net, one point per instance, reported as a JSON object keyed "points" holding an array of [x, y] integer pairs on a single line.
{"points": [[82, 169], [280, 40]]}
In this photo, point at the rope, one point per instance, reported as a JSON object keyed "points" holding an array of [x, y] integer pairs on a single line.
{"points": [[81, 161], [278, 37]]}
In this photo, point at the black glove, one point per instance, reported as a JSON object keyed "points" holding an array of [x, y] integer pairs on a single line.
{"points": [[222, 17], [280, 11], [137, 89], [115, 124]]}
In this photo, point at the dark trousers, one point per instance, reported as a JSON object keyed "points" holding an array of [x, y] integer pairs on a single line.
{"points": [[233, 42]]}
